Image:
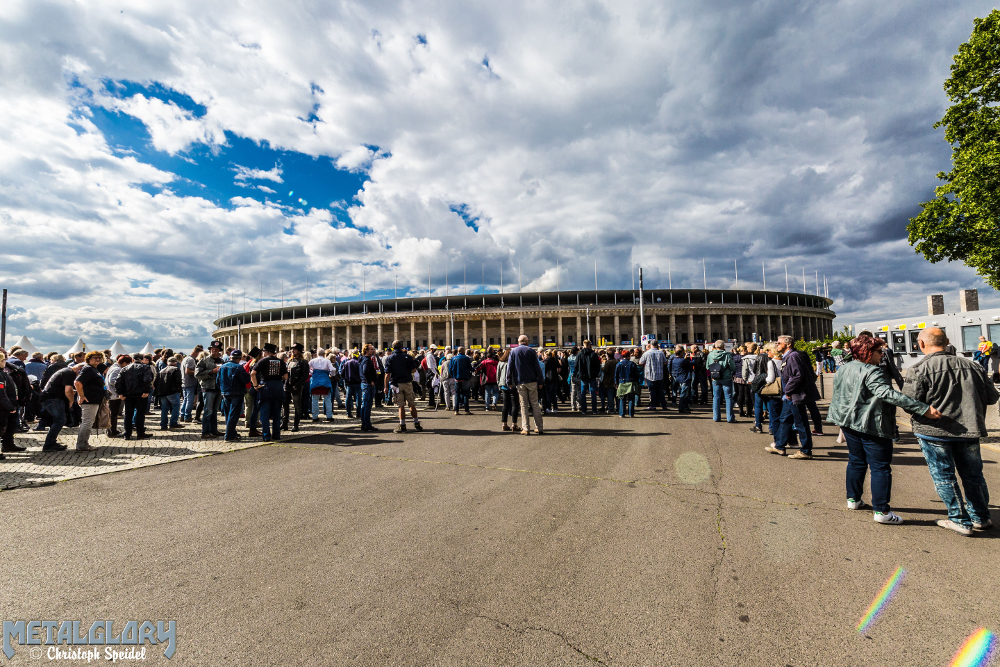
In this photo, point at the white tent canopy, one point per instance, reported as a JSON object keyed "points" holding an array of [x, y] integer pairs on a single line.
{"points": [[25, 344], [149, 349], [117, 349], [78, 346]]}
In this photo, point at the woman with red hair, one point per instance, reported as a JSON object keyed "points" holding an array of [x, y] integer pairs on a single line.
{"points": [[864, 406]]}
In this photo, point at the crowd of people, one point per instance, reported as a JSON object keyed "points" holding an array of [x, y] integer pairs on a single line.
{"points": [[272, 390]]}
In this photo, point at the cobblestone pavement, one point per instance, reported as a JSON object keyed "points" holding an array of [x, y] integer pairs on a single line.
{"points": [[37, 468]]}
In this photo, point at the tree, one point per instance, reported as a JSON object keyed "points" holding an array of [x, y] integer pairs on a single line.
{"points": [[961, 222]]}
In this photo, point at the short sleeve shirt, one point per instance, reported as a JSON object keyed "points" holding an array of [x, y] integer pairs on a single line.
{"points": [[400, 367], [93, 384], [56, 386], [652, 363], [270, 368], [188, 380]]}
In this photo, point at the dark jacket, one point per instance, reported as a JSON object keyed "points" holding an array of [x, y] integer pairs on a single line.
{"points": [[351, 371], [134, 380], [588, 364], [522, 366], [609, 373], [8, 395], [203, 372], [956, 386], [369, 369], [168, 382], [626, 371], [20, 380], [51, 370], [798, 379], [680, 369], [298, 374], [551, 371]]}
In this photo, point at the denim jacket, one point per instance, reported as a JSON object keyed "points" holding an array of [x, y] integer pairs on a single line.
{"points": [[864, 401]]}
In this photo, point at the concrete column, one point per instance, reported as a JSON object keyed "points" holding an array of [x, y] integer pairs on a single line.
{"points": [[739, 329], [347, 337], [483, 339], [258, 339], [503, 332], [754, 325], [395, 331], [617, 331], [364, 336], [465, 334], [708, 328], [281, 340], [541, 333], [635, 329], [673, 328], [378, 334], [413, 334], [559, 331], [268, 336], [725, 326], [579, 332], [597, 329], [291, 337], [655, 326], [448, 335], [691, 328], [520, 331], [430, 333]]}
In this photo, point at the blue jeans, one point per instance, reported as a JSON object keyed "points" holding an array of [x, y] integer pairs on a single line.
{"points": [[55, 408], [365, 411], [794, 418], [327, 405], [210, 416], [869, 452], [656, 394], [682, 390], [626, 404], [588, 387], [232, 406], [944, 457], [492, 393], [187, 403], [758, 410], [722, 389], [774, 407], [254, 404], [169, 405], [461, 394], [354, 399]]}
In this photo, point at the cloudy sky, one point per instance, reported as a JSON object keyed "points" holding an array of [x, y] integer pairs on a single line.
{"points": [[158, 158]]}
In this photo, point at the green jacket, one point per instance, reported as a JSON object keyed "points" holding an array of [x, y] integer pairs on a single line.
{"points": [[864, 401], [725, 360]]}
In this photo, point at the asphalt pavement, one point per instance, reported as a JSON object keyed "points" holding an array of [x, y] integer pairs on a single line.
{"points": [[659, 540]]}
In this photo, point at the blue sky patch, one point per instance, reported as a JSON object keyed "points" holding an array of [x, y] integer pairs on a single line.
{"points": [[239, 168], [466, 215]]}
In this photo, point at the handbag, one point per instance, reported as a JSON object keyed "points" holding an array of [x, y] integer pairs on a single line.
{"points": [[102, 420], [624, 389], [772, 388]]}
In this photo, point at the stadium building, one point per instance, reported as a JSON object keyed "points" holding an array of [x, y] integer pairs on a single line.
{"points": [[549, 319]]}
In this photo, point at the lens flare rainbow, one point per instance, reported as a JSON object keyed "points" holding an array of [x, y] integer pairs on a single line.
{"points": [[881, 600], [977, 651]]}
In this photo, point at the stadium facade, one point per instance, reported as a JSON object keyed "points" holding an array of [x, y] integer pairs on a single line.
{"points": [[549, 319]]}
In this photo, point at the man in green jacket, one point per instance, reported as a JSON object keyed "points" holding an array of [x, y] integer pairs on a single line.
{"points": [[721, 368], [960, 389]]}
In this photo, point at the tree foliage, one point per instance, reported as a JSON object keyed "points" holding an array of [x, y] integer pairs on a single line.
{"points": [[961, 222]]}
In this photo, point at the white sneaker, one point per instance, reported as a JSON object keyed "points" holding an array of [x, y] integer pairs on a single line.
{"points": [[888, 517], [957, 527], [774, 450], [853, 504]]}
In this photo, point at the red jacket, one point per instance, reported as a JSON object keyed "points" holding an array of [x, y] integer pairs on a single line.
{"points": [[488, 371]]}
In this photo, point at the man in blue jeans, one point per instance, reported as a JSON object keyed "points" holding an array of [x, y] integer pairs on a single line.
{"points": [[207, 372], [798, 382], [588, 369], [721, 367], [232, 382], [268, 378], [460, 370], [369, 374], [960, 389]]}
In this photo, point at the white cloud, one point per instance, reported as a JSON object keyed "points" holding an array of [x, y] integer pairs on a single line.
{"points": [[648, 130]]}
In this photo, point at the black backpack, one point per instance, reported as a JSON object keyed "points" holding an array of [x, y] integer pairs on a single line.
{"points": [[715, 370]]}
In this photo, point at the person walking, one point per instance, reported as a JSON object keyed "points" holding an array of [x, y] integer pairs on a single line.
{"points": [[167, 387], [798, 386], [232, 380], [135, 382], [525, 373], [653, 361], [399, 368], [721, 368], [268, 378], [488, 379], [207, 372], [321, 385], [460, 370], [961, 390], [864, 405], [296, 386]]}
